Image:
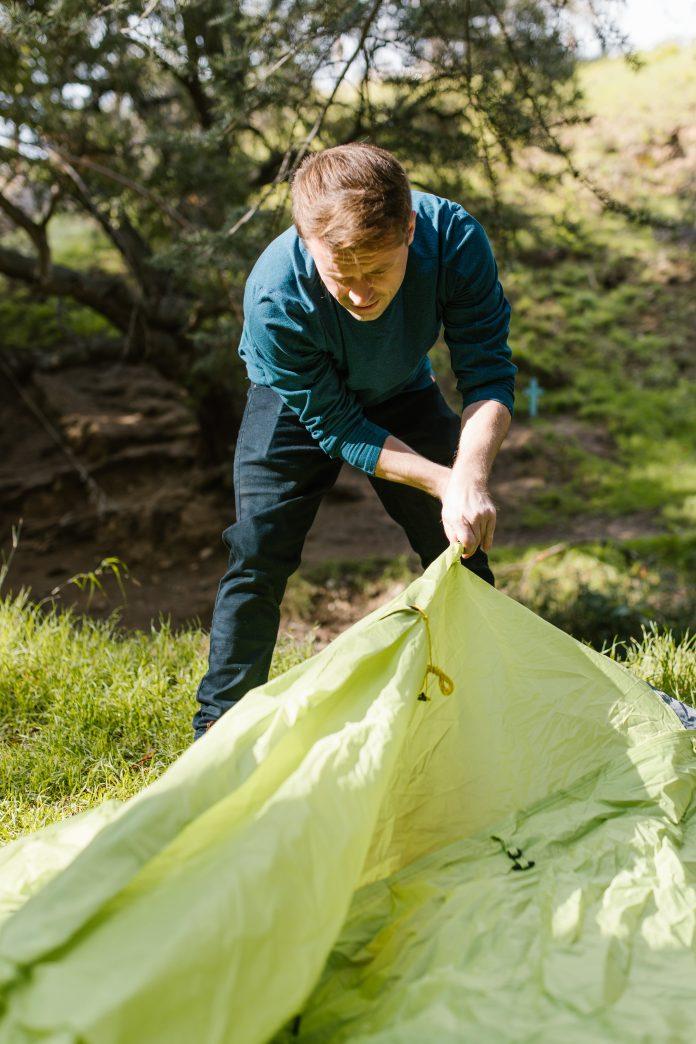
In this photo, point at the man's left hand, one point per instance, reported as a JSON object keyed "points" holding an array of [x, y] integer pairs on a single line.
{"points": [[469, 516]]}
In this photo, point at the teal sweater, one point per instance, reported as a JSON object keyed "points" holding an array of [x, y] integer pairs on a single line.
{"points": [[326, 365]]}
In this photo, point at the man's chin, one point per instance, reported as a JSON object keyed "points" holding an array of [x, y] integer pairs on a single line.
{"points": [[368, 313]]}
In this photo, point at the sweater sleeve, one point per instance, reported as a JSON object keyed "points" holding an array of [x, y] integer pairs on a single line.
{"points": [[305, 376], [476, 320]]}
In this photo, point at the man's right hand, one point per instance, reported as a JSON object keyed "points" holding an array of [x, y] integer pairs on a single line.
{"points": [[468, 515]]}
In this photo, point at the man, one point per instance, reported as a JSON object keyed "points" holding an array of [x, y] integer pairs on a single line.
{"points": [[339, 314]]}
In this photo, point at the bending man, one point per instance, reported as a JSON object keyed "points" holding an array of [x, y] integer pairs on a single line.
{"points": [[339, 314]]}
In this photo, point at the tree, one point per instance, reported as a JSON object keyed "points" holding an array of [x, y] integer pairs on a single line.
{"points": [[175, 125]]}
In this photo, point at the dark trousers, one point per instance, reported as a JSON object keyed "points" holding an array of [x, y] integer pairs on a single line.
{"points": [[280, 477]]}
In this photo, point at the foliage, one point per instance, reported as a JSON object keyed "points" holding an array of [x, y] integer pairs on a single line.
{"points": [[91, 581], [602, 592], [174, 127], [599, 592], [7, 556]]}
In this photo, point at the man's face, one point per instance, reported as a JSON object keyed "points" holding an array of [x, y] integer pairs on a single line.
{"points": [[366, 284]]}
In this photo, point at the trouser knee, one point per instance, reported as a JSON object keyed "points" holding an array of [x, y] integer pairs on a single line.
{"points": [[264, 563]]}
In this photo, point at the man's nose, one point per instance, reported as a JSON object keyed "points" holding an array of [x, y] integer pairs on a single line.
{"points": [[361, 293]]}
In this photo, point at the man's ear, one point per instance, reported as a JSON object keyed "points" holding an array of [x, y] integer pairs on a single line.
{"points": [[411, 227]]}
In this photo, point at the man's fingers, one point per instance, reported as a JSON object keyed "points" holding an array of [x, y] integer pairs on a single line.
{"points": [[450, 532], [467, 536], [469, 520], [478, 533], [461, 534], [487, 542]]}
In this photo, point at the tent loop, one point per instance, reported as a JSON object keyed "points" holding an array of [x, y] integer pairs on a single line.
{"points": [[444, 681], [514, 854]]}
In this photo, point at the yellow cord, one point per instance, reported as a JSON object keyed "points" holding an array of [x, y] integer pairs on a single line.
{"points": [[444, 681]]}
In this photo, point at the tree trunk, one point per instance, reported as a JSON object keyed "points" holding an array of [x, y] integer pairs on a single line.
{"points": [[153, 329]]}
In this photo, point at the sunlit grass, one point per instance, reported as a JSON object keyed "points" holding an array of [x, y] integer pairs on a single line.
{"points": [[89, 712], [662, 660]]}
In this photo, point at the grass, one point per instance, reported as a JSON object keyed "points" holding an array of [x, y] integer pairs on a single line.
{"points": [[89, 712], [602, 592], [661, 660]]}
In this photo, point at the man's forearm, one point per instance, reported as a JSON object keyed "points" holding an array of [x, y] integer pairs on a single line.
{"points": [[468, 512], [484, 427], [397, 462]]}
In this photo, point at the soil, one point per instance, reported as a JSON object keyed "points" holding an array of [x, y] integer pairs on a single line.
{"points": [[103, 461]]}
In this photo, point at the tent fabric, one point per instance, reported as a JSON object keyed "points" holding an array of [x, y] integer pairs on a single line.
{"points": [[351, 855], [686, 714]]}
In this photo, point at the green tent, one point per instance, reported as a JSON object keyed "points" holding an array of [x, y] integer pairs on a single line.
{"points": [[357, 853]]}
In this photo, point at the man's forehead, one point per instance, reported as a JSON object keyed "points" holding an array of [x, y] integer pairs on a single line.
{"points": [[346, 260]]}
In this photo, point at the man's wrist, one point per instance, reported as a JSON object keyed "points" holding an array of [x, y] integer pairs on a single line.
{"points": [[441, 478], [466, 476], [435, 479]]}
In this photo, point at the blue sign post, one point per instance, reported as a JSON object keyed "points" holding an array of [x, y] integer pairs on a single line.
{"points": [[534, 391]]}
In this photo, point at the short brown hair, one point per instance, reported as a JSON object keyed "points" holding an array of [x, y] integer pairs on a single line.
{"points": [[353, 196]]}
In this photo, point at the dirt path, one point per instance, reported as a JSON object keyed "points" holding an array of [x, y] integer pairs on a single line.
{"points": [[133, 434]]}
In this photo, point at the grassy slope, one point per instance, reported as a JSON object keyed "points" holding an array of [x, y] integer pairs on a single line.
{"points": [[604, 310], [608, 327]]}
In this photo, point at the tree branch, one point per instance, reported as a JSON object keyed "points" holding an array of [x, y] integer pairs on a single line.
{"points": [[134, 186], [162, 336], [36, 232], [111, 175], [132, 248], [107, 294], [287, 166], [194, 88]]}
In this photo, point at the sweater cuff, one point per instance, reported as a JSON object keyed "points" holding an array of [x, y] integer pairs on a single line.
{"points": [[490, 391], [363, 445]]}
